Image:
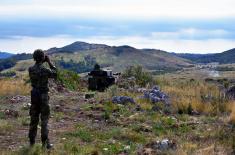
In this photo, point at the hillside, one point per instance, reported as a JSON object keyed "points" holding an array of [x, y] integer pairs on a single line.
{"points": [[114, 57], [12, 61], [4, 55], [186, 116], [81, 57], [223, 58]]}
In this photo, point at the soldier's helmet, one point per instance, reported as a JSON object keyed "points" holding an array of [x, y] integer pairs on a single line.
{"points": [[97, 67], [38, 55]]}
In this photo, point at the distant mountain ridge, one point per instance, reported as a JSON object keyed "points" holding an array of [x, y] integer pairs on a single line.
{"points": [[118, 57], [222, 58], [76, 46], [12, 60], [81, 57], [4, 55]]}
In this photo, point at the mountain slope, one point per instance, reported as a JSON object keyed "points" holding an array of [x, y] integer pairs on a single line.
{"points": [[116, 57], [223, 58], [76, 46], [12, 61], [4, 55]]}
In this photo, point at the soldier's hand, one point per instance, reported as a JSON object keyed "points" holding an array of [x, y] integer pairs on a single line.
{"points": [[47, 59]]}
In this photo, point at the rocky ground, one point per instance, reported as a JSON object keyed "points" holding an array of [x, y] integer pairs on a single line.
{"points": [[96, 123]]}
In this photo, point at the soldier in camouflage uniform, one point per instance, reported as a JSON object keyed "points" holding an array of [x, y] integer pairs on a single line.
{"points": [[39, 76]]}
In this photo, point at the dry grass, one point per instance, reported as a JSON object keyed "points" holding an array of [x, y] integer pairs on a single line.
{"points": [[232, 115], [5, 127], [203, 97], [13, 87]]}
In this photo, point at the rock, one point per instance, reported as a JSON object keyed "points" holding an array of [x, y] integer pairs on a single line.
{"points": [[122, 100], [92, 101], [127, 147], [18, 99], [58, 108], [105, 149], [155, 95], [60, 88], [157, 147], [162, 145], [141, 90], [11, 113], [195, 112], [26, 106], [230, 93]]}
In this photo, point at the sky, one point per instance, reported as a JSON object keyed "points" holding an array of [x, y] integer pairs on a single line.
{"points": [[181, 26]]}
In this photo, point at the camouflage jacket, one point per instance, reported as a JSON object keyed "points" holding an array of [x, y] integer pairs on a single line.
{"points": [[39, 76]]}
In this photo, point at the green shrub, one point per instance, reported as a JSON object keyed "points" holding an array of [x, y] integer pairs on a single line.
{"points": [[113, 91], [5, 127], [8, 74], [69, 79], [2, 115], [25, 121], [142, 77], [83, 134]]}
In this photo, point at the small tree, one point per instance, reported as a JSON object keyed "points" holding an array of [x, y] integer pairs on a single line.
{"points": [[142, 77]]}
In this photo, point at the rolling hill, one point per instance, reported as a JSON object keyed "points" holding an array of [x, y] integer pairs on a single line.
{"points": [[13, 60], [81, 57], [222, 58], [116, 57], [4, 55]]}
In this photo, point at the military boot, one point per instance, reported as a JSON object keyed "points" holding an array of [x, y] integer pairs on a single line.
{"points": [[47, 145], [31, 142]]}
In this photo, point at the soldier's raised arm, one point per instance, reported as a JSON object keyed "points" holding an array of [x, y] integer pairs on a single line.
{"points": [[52, 72]]}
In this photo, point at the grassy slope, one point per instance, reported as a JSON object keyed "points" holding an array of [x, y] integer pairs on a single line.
{"points": [[117, 58], [81, 126], [149, 59]]}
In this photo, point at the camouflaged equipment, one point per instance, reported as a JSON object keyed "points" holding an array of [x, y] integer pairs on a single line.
{"points": [[100, 79]]}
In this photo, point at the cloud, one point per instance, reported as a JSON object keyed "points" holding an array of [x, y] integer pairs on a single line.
{"points": [[185, 25], [29, 44], [191, 33], [19, 44], [123, 9]]}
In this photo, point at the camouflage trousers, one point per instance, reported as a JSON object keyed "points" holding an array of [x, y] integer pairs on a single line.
{"points": [[39, 108]]}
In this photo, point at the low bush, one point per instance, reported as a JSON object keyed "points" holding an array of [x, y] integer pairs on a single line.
{"points": [[8, 74], [141, 76], [69, 79]]}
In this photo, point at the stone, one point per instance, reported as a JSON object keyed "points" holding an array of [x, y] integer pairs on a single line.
{"points": [[122, 100], [26, 106], [18, 99], [155, 95], [11, 113], [230, 93], [162, 145]]}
